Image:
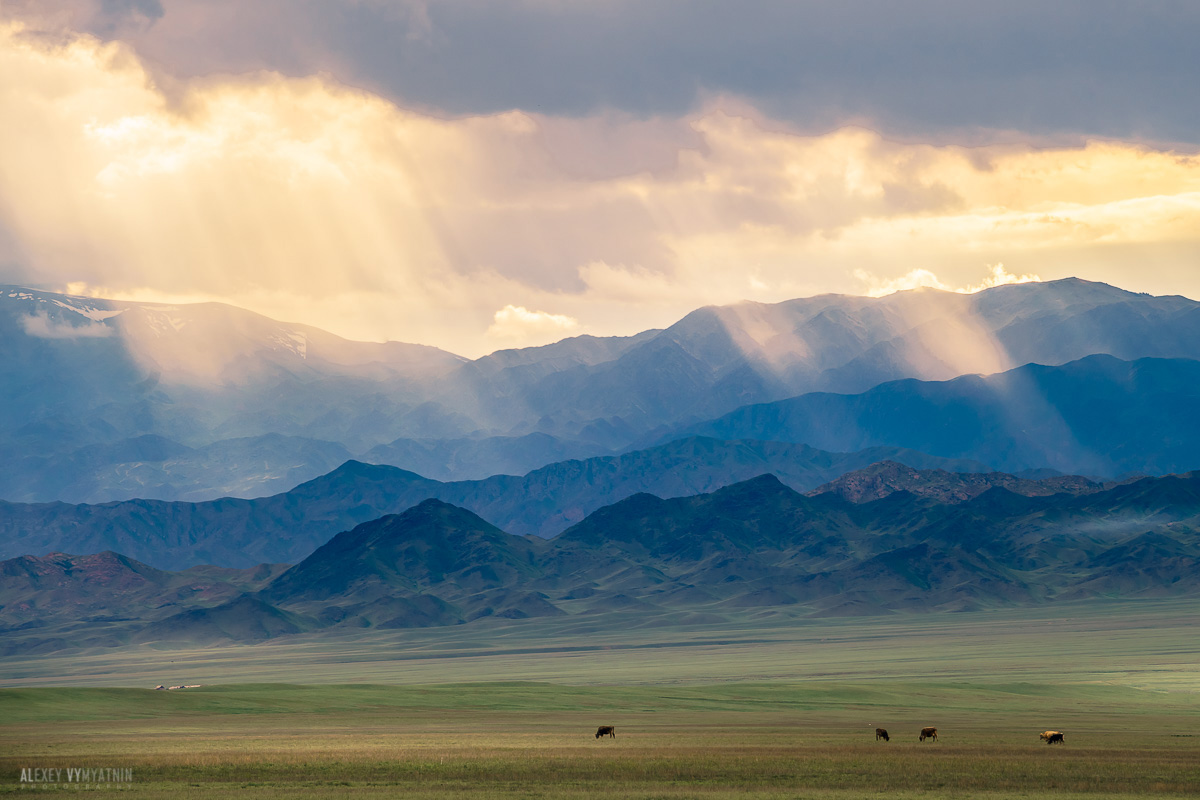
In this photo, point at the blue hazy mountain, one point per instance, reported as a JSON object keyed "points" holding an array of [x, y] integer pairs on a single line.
{"points": [[722, 357], [104, 400], [1095, 416], [288, 526]]}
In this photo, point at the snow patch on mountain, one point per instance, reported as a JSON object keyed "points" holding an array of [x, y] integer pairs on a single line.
{"points": [[92, 312], [161, 321]]}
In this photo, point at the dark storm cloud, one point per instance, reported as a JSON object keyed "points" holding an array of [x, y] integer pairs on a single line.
{"points": [[929, 69], [149, 9]]}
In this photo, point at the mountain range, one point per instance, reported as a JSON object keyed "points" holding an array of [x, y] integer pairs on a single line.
{"points": [[105, 400], [756, 547], [165, 464], [1096, 416], [286, 527]]}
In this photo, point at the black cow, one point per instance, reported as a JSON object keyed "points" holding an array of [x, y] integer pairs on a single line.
{"points": [[880, 733], [606, 730]]}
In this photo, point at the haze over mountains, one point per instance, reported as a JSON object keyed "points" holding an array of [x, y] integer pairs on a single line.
{"points": [[832, 455], [107, 400]]}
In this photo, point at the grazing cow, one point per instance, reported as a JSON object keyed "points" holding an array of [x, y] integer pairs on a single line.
{"points": [[880, 733], [928, 733], [606, 730], [1053, 737]]}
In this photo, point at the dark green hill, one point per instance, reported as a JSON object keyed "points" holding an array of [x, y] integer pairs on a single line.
{"points": [[757, 515], [433, 544], [435, 564]]}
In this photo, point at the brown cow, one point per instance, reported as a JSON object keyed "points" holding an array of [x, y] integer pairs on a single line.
{"points": [[928, 733], [606, 730], [880, 733], [1052, 737]]}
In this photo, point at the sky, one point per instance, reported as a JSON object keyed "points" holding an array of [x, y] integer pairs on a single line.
{"points": [[480, 175]]}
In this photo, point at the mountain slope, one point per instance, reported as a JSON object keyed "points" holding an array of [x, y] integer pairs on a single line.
{"points": [[85, 383], [1095, 416], [397, 569], [61, 587], [887, 477]]}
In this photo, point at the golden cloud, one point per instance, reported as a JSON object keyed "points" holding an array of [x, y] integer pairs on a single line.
{"points": [[519, 324], [311, 201]]}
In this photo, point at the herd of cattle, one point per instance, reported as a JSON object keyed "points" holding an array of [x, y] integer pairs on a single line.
{"points": [[1049, 737], [926, 733]]}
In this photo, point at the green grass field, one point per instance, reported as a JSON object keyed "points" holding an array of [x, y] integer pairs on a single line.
{"points": [[781, 709]]}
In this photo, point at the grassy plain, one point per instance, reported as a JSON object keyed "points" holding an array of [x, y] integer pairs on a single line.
{"points": [[781, 708]]}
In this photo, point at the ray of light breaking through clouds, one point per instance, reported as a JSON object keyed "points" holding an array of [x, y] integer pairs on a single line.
{"points": [[378, 215]]}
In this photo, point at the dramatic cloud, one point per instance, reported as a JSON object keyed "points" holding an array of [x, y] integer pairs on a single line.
{"points": [[314, 202], [928, 69]]}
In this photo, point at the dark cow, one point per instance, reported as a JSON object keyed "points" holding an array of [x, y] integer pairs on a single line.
{"points": [[1053, 737], [880, 733], [606, 730], [928, 733]]}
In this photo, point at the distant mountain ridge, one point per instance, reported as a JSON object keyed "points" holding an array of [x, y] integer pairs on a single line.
{"points": [[85, 381], [722, 357], [288, 526], [1095, 416], [888, 477], [754, 547]]}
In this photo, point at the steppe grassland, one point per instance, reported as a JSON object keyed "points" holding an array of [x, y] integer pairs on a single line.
{"points": [[1117, 683], [536, 740], [1148, 644]]}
